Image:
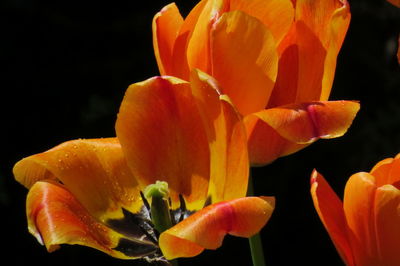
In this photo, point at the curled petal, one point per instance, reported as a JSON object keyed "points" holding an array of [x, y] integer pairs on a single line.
{"points": [[166, 26], [163, 139], [227, 138], [206, 228], [330, 210], [242, 44], [94, 170], [265, 144], [56, 217], [306, 122]]}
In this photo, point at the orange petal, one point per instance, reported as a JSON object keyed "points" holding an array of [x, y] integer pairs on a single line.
{"points": [[276, 15], [95, 171], [301, 67], [56, 217], [198, 49], [358, 204], [206, 228], [387, 221], [265, 144], [330, 210], [227, 137], [242, 44], [387, 171], [160, 130], [306, 122], [329, 21], [166, 26]]}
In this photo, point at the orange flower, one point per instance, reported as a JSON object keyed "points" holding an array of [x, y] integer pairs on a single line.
{"points": [[275, 59], [365, 227], [88, 192]]}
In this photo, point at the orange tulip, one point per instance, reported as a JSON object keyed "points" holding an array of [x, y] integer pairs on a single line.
{"points": [[274, 58], [88, 192], [365, 227]]}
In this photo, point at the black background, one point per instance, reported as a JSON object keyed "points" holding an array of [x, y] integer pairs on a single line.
{"points": [[67, 65]]}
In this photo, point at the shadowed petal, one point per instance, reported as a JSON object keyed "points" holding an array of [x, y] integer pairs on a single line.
{"points": [[163, 139], [244, 60], [330, 210], [227, 137], [395, 2], [95, 171], [166, 26], [56, 217], [306, 122], [387, 220], [206, 228]]}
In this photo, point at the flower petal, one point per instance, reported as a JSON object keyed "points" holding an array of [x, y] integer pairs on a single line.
{"points": [[95, 171], [242, 44], [306, 122], [301, 67], [330, 210], [265, 144], [387, 171], [56, 217], [163, 139], [166, 26], [276, 15], [387, 220], [227, 138], [358, 202], [206, 228], [395, 2]]}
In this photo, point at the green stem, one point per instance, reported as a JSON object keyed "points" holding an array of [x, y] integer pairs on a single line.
{"points": [[256, 248]]}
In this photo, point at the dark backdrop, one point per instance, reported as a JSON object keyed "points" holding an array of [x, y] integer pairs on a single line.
{"points": [[67, 65]]}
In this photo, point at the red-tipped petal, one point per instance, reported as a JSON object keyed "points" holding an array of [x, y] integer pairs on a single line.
{"points": [[166, 26], [242, 44], [330, 210], [94, 170], [56, 217], [206, 228], [306, 122], [160, 130], [227, 138]]}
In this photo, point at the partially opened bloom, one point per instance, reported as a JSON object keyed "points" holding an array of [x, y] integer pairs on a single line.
{"points": [[274, 58], [89, 192], [365, 228]]}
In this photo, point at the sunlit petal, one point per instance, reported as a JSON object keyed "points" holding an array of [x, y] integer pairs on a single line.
{"points": [[166, 26], [206, 229], [95, 171], [306, 122], [244, 60], [227, 137], [56, 217], [163, 139], [276, 15]]}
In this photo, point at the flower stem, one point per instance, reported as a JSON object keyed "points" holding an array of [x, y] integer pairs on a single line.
{"points": [[256, 248]]}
